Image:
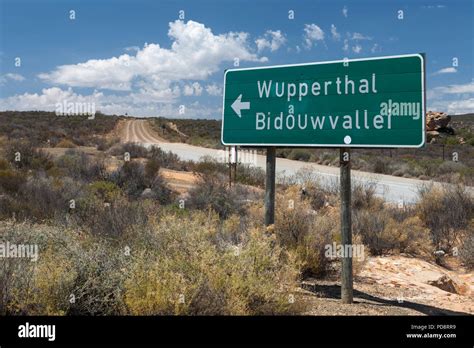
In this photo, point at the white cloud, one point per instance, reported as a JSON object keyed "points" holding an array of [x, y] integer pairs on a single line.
{"points": [[46, 100], [358, 36], [357, 49], [192, 89], [453, 107], [345, 11], [433, 6], [467, 88], [375, 48], [132, 48], [272, 40], [154, 77], [454, 99], [312, 34], [460, 106], [346, 45], [195, 54], [143, 103], [448, 70], [214, 90], [11, 77], [335, 35], [155, 95]]}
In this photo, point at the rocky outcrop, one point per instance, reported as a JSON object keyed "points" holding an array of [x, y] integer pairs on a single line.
{"points": [[437, 121], [437, 126]]}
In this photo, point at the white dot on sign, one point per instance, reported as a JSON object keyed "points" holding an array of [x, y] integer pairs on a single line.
{"points": [[347, 139]]}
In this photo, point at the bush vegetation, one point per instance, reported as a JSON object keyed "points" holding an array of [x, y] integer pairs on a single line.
{"points": [[115, 241], [44, 129], [176, 269]]}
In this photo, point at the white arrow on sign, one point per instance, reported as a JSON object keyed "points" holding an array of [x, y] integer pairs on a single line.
{"points": [[238, 105]]}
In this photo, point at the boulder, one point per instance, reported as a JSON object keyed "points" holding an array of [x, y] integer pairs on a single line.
{"points": [[431, 136], [437, 121], [444, 283]]}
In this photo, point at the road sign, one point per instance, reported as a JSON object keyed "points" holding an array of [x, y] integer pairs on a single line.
{"points": [[370, 102]]}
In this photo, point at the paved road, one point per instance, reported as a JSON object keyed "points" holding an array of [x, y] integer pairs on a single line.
{"points": [[393, 189]]}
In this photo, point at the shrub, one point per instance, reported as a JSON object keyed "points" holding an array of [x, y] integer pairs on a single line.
{"points": [[112, 220], [131, 178], [11, 181], [78, 165], [23, 155], [47, 198], [188, 275], [446, 211], [466, 251], [208, 166], [363, 196], [106, 191], [371, 226], [28, 287], [152, 168], [103, 144], [293, 219], [99, 274], [317, 197], [410, 236], [167, 159], [65, 143], [388, 230], [381, 165], [135, 150], [213, 192], [160, 191], [40, 127], [305, 234], [4, 165], [310, 251], [300, 155], [430, 166], [449, 167], [249, 175], [451, 141]]}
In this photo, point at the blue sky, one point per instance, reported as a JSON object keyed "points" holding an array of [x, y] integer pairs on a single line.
{"points": [[140, 57]]}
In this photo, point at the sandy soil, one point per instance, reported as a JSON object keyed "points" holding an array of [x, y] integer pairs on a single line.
{"points": [[394, 285], [179, 181]]}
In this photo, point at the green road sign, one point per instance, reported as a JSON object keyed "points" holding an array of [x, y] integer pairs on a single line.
{"points": [[372, 102]]}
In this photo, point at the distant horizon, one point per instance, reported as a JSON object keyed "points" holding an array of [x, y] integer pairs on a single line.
{"points": [[181, 118]]}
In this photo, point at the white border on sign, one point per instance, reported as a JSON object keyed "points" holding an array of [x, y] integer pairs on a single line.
{"points": [[335, 145]]}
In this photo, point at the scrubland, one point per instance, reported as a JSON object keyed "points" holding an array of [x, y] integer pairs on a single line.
{"points": [[119, 241]]}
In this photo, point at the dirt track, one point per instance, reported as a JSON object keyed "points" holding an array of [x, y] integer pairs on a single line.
{"points": [[138, 131]]}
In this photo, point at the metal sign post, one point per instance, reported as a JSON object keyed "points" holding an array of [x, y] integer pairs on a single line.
{"points": [[346, 226], [270, 187]]}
